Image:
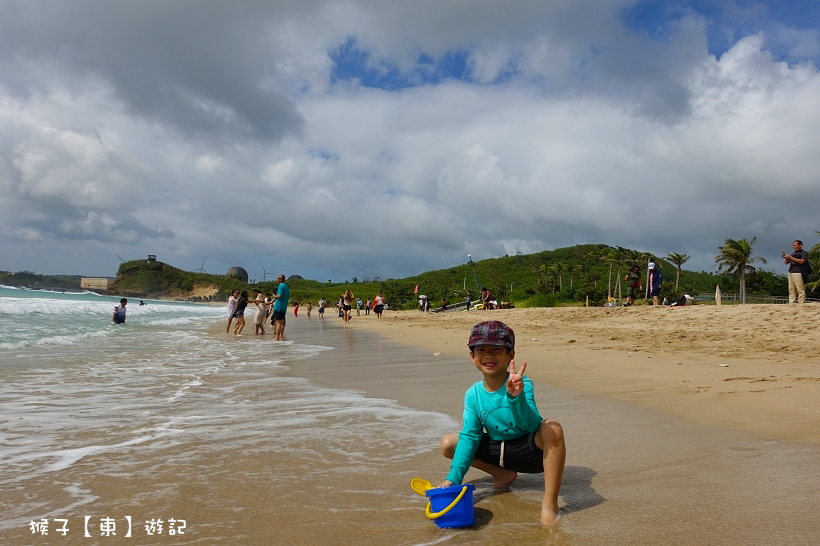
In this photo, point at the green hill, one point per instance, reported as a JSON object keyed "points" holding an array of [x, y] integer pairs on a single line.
{"points": [[561, 276], [152, 279], [30, 279]]}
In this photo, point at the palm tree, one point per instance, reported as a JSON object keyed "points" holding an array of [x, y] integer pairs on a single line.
{"points": [[735, 257], [558, 268], [544, 273], [580, 267], [678, 260], [595, 258], [618, 256]]}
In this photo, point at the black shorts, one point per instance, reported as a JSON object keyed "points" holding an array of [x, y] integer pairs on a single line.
{"points": [[346, 307], [278, 315], [520, 454]]}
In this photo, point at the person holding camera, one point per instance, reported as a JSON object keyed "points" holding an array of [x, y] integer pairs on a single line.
{"points": [[798, 263]]}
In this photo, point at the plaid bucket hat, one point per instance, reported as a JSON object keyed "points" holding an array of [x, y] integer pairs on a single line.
{"points": [[492, 332]]}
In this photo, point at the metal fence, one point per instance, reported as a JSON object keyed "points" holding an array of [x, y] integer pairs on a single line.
{"points": [[731, 299], [460, 306]]}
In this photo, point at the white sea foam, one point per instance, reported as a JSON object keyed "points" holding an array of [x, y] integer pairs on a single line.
{"points": [[25, 306], [68, 457], [56, 340]]}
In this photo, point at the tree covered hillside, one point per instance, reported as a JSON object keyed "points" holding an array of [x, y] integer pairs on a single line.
{"points": [[547, 278]]}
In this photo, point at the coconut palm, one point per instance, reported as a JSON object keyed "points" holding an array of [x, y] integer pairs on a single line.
{"points": [[558, 269], [735, 257], [678, 260], [595, 257], [544, 273], [618, 256], [579, 268]]}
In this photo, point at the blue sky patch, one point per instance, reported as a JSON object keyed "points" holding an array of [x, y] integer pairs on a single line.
{"points": [[728, 21], [352, 62]]}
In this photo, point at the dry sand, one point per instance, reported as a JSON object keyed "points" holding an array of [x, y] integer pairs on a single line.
{"points": [[754, 368]]}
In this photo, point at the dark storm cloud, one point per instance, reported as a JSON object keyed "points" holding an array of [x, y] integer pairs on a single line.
{"points": [[207, 68]]}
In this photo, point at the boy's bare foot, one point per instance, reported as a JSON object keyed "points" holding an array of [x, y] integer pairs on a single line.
{"points": [[505, 479], [549, 513]]}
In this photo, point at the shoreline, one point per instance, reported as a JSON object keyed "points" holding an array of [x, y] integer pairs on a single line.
{"points": [[754, 368]]}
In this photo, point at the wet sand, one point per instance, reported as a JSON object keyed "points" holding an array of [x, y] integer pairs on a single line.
{"points": [[634, 475]]}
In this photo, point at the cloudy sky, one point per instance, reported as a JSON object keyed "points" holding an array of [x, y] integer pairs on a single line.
{"points": [[369, 138]]}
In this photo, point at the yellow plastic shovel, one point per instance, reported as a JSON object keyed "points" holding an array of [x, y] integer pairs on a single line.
{"points": [[420, 486]]}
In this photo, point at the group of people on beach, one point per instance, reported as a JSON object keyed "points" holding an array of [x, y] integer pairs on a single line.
{"points": [[798, 274], [270, 305], [347, 301], [274, 306], [633, 277]]}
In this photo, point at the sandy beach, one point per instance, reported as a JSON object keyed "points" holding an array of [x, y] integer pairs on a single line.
{"points": [[754, 368]]}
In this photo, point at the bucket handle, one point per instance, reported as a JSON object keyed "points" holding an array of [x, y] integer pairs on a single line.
{"points": [[436, 515]]}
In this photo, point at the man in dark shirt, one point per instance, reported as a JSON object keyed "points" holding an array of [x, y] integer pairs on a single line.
{"points": [[797, 264]]}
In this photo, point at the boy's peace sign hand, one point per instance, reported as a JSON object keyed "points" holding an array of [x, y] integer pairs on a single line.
{"points": [[515, 383]]}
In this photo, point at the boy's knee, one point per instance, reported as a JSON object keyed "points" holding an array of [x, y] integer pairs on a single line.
{"points": [[552, 433], [448, 445]]}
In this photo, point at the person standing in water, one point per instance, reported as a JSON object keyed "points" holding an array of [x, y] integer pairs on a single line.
{"points": [[119, 312], [261, 313], [232, 300], [239, 314], [280, 307]]}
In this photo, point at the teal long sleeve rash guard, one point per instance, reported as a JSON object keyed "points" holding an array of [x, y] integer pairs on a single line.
{"points": [[503, 418]]}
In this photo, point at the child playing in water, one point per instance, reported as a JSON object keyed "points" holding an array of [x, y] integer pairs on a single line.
{"points": [[119, 312], [517, 439]]}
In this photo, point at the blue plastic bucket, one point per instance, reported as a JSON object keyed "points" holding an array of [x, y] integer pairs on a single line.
{"points": [[454, 512]]}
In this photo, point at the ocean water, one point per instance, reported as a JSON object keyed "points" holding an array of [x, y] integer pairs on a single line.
{"points": [[167, 417]]}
